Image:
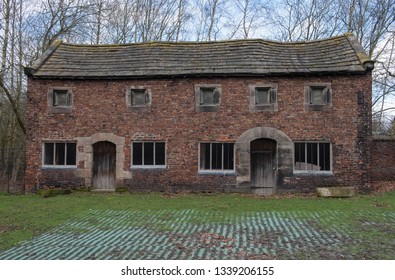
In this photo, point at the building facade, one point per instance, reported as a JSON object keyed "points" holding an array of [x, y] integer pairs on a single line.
{"points": [[249, 116]]}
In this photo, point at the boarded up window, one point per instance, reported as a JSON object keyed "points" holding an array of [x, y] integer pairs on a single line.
{"points": [[60, 154], [318, 97], [139, 97], [61, 98], [216, 156], [312, 156], [148, 153], [263, 97], [209, 96]]}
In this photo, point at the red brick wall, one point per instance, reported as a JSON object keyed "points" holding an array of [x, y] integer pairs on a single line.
{"points": [[383, 160], [100, 106]]}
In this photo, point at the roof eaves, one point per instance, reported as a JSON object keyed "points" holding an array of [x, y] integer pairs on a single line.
{"points": [[364, 59], [30, 70]]}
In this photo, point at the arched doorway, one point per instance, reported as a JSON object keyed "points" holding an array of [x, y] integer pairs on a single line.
{"points": [[270, 142], [104, 163], [263, 165]]}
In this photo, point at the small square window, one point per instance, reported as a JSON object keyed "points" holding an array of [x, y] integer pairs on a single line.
{"points": [[318, 97], [208, 98], [139, 97], [263, 97], [60, 100]]}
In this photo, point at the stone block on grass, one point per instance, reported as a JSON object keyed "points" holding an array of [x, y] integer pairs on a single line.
{"points": [[336, 191]]}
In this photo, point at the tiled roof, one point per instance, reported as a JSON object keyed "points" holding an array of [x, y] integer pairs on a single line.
{"points": [[341, 54]]}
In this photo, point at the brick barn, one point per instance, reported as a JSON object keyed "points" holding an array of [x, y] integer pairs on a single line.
{"points": [[250, 116]]}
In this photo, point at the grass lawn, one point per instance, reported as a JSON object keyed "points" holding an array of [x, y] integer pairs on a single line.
{"points": [[364, 217]]}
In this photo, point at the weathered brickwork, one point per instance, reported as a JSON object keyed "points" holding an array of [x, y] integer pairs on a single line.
{"points": [[99, 106], [383, 159]]}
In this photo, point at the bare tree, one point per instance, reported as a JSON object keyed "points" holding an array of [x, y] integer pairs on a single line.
{"points": [[209, 19], [368, 20], [54, 20], [249, 16], [301, 20], [384, 83]]}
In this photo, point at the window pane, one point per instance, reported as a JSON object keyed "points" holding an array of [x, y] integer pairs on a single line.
{"points": [[312, 156], [325, 163], [60, 153], [148, 153], [216, 156], [48, 153], [262, 96], [159, 153], [60, 98], [204, 156], [207, 96], [137, 154], [228, 156], [71, 154], [317, 96], [300, 156], [138, 97]]}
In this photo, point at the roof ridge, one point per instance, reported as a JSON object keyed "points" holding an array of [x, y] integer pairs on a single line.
{"points": [[258, 40]]}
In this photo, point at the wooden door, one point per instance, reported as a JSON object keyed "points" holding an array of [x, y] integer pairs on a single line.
{"points": [[104, 156], [263, 165]]}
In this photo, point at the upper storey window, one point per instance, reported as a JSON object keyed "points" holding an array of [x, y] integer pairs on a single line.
{"points": [[208, 97], [138, 98], [263, 97], [318, 97], [60, 100]]}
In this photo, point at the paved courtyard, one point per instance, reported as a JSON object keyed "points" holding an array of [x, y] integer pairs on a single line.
{"points": [[182, 235]]}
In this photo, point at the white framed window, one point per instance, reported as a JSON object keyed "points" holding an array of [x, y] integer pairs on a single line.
{"points": [[208, 97], [312, 157], [148, 154], [59, 154], [214, 157]]}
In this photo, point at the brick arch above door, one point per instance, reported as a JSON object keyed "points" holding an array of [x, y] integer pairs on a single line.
{"points": [[243, 159]]}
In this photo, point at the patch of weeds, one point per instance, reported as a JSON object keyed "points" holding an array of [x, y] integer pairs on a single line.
{"points": [[8, 228], [83, 189], [121, 190], [53, 192]]}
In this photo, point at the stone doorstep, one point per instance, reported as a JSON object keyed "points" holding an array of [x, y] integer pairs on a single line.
{"points": [[103, 190], [336, 191]]}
